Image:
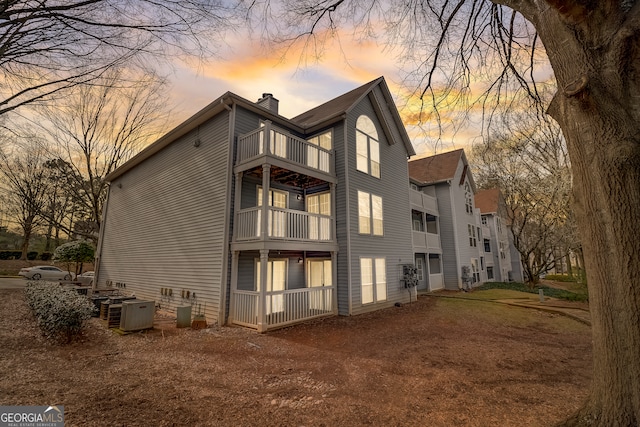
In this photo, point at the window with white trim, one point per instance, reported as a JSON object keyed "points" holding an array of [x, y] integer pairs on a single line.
{"points": [[319, 159], [373, 280], [475, 271], [370, 219], [473, 242], [319, 226], [367, 147], [420, 269], [468, 198], [276, 219], [276, 284]]}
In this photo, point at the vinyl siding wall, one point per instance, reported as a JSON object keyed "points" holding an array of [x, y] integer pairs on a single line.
{"points": [[393, 187], [461, 221], [166, 222], [447, 237]]}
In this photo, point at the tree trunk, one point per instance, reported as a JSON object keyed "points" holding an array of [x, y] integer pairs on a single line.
{"points": [[569, 266], [593, 49], [603, 144], [26, 231]]}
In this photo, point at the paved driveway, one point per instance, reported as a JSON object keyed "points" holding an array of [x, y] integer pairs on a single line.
{"points": [[12, 283]]}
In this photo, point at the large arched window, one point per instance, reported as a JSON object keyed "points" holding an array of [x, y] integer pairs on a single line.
{"points": [[367, 147]]}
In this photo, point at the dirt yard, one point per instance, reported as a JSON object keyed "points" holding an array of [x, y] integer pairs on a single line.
{"points": [[436, 362]]}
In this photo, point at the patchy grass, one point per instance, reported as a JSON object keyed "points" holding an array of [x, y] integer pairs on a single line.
{"points": [[565, 294]]}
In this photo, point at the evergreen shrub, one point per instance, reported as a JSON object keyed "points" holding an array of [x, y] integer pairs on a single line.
{"points": [[61, 313]]}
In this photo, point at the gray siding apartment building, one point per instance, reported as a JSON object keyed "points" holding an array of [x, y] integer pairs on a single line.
{"points": [[263, 221], [447, 177]]}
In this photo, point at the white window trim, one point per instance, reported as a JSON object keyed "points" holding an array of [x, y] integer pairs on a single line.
{"points": [[372, 141], [272, 191], [377, 287], [370, 217]]}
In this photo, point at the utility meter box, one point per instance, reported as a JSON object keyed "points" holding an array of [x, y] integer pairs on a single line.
{"points": [[183, 313]]}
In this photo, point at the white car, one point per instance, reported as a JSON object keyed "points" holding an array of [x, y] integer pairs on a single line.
{"points": [[45, 272], [86, 278]]}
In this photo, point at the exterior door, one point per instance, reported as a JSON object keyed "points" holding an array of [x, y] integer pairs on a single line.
{"points": [[276, 282], [277, 218], [421, 273], [319, 226], [319, 275]]}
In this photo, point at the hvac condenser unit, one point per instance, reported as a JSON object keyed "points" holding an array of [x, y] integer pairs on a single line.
{"points": [[137, 315]]}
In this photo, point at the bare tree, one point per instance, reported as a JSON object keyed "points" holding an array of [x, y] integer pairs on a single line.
{"points": [[48, 47], [527, 160], [26, 184], [96, 129], [502, 47], [59, 203]]}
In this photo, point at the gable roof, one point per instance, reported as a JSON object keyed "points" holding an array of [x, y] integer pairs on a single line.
{"points": [[487, 200], [434, 169], [335, 109], [305, 123]]}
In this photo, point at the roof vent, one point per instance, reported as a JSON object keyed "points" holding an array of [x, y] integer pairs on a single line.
{"points": [[269, 102]]}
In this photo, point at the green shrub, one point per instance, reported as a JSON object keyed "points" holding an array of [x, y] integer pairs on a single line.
{"points": [[548, 291], [45, 256], [32, 255], [10, 254], [60, 312], [561, 278]]}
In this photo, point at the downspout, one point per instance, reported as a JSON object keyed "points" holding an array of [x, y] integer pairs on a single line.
{"points": [[103, 225], [455, 233], [224, 276], [347, 188]]}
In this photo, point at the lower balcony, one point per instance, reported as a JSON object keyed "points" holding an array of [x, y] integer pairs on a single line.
{"points": [[427, 242], [281, 308]]}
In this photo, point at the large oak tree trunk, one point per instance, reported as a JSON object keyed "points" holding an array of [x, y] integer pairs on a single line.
{"points": [[598, 109]]}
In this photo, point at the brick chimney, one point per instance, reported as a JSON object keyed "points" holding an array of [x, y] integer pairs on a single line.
{"points": [[269, 102]]}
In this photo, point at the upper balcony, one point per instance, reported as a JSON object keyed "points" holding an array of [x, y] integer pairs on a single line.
{"points": [[277, 147], [423, 202]]}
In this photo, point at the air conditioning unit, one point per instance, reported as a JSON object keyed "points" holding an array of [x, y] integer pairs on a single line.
{"points": [[137, 315]]}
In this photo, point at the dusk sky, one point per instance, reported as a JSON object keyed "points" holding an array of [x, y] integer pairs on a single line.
{"points": [[248, 70]]}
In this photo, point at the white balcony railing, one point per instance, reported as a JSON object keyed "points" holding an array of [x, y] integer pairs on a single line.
{"points": [[426, 241], [436, 281], [281, 307], [279, 143], [423, 201], [284, 224]]}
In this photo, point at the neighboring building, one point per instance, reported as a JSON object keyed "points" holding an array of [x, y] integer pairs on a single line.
{"points": [[447, 178], [263, 221], [500, 267], [425, 229]]}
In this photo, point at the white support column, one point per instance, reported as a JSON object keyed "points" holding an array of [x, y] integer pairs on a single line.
{"points": [[237, 203], [334, 233], [267, 137], [234, 285], [262, 298], [266, 179]]}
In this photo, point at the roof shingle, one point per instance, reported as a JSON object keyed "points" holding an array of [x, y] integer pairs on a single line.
{"points": [[334, 107], [487, 200], [438, 168]]}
